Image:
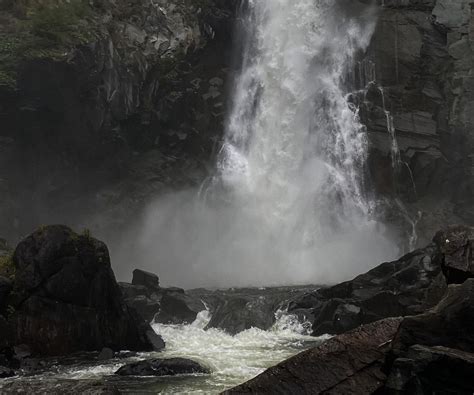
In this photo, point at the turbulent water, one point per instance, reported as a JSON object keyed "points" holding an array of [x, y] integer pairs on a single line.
{"points": [[232, 360], [287, 203]]}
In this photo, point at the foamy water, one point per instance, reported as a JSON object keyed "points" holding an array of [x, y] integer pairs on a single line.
{"points": [[231, 359]]}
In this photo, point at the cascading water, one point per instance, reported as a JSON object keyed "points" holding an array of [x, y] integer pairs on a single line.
{"points": [[287, 202]]}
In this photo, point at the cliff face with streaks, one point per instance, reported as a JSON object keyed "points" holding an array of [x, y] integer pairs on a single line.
{"points": [[107, 103], [419, 111]]}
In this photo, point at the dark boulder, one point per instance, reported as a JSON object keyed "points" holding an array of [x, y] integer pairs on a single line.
{"points": [[456, 253], [236, 314], [141, 298], [178, 308], [146, 279], [162, 367], [66, 298], [349, 363], [408, 286]]}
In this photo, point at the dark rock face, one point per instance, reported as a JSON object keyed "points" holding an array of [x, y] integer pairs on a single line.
{"points": [[432, 370], [349, 363], [421, 57], [66, 298], [134, 106], [449, 324], [407, 286], [457, 258], [162, 367]]}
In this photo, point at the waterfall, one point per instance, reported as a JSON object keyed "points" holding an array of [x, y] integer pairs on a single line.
{"points": [[287, 202]]}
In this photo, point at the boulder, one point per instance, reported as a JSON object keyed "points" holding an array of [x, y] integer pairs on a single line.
{"points": [[456, 247], [348, 363], [162, 367], [449, 324], [178, 308], [66, 298], [407, 286], [145, 279], [236, 314]]}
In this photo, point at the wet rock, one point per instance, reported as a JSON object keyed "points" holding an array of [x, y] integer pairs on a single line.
{"points": [[432, 370], [66, 297], [456, 246], [449, 324], [145, 279], [162, 367], [404, 287], [348, 363], [106, 354], [6, 372], [178, 308]]}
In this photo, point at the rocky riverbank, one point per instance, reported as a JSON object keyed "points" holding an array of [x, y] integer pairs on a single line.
{"points": [[428, 352]]}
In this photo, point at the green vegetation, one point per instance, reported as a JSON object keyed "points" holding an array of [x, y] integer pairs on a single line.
{"points": [[7, 267]]}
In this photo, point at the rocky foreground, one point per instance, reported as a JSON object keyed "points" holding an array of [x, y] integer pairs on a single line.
{"points": [[59, 297], [427, 353]]}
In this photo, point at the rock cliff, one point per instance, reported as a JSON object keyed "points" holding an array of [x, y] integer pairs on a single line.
{"points": [[418, 110], [107, 103]]}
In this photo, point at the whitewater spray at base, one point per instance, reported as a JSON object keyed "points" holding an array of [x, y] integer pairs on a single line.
{"points": [[286, 203]]}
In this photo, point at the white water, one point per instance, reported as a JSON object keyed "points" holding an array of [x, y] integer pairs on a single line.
{"points": [[231, 359], [286, 204]]}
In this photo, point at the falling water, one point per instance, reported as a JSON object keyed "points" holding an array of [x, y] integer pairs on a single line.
{"points": [[287, 202]]}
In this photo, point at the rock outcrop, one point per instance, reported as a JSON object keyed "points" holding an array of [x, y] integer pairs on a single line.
{"points": [[409, 286], [65, 297]]}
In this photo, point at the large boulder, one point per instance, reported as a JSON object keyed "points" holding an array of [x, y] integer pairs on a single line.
{"points": [[66, 298], [162, 367]]}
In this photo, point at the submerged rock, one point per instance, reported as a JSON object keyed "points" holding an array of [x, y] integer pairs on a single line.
{"points": [[66, 298], [162, 367]]}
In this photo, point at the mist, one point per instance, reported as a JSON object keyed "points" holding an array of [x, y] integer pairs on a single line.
{"points": [[288, 201]]}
